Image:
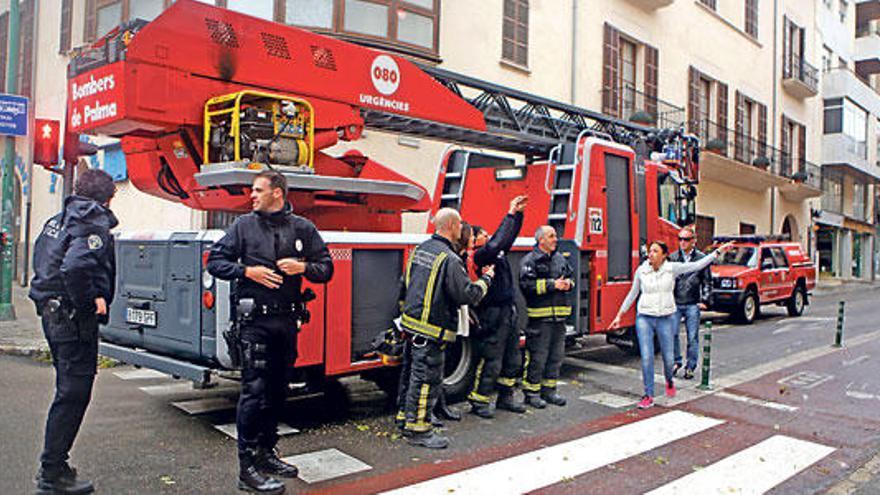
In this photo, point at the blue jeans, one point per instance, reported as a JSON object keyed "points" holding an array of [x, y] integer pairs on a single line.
{"points": [[691, 315], [646, 327]]}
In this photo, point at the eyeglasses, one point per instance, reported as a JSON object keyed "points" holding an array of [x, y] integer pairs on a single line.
{"points": [[685, 238]]}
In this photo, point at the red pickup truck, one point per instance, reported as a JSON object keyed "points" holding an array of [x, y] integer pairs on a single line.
{"points": [[758, 271]]}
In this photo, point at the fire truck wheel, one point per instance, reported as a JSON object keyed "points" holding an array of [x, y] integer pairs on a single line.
{"points": [[461, 366], [749, 308], [795, 305]]}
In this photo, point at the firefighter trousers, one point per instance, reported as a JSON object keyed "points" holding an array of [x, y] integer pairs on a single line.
{"points": [[268, 353], [545, 349], [74, 347], [497, 346], [421, 380]]}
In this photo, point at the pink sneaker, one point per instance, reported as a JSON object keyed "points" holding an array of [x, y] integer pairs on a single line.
{"points": [[670, 390], [646, 402]]}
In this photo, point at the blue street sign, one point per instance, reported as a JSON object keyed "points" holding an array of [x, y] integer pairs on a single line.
{"points": [[13, 115]]}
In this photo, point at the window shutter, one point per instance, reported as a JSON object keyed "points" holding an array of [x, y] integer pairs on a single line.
{"points": [[721, 132], [786, 147], [66, 21], [91, 20], [739, 128], [762, 130], [802, 148], [652, 63], [26, 49], [693, 109], [786, 49], [611, 72]]}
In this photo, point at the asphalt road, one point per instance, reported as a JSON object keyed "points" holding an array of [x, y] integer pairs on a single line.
{"points": [[135, 440]]}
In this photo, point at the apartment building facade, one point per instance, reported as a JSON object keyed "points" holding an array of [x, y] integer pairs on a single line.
{"points": [[742, 74], [847, 226]]}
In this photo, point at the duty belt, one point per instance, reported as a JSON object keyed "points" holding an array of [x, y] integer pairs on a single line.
{"points": [[274, 309]]}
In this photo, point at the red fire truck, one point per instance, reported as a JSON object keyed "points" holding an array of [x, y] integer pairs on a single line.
{"points": [[203, 97]]}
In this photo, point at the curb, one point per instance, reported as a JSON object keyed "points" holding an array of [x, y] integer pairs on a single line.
{"points": [[24, 351]]}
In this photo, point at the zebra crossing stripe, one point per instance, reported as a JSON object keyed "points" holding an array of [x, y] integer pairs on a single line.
{"points": [[554, 464], [767, 464]]}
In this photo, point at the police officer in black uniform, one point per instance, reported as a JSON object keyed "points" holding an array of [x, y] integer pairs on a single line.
{"points": [[545, 279], [74, 277], [268, 252], [497, 342], [434, 286]]}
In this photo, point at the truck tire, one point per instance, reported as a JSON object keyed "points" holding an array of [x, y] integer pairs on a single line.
{"points": [[749, 308], [460, 369], [798, 300]]}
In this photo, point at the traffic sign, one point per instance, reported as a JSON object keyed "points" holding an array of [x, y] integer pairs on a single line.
{"points": [[13, 115]]}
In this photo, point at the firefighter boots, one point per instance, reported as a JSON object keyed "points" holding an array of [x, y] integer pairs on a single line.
{"points": [[250, 479], [534, 399], [62, 481], [267, 461], [552, 396], [482, 410], [507, 401], [428, 439]]}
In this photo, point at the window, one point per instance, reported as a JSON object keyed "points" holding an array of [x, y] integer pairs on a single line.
{"points": [[832, 192], [844, 5], [827, 58], [860, 201], [403, 25], [746, 228], [794, 147], [752, 18], [64, 31], [707, 97], [515, 32], [710, 3], [779, 257], [630, 71], [750, 129], [704, 109], [843, 116]]}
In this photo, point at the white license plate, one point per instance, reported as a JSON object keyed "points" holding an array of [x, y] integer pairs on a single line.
{"points": [[140, 317]]}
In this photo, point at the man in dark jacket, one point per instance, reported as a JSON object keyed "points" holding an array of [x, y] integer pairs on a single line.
{"points": [[545, 279], [268, 252], [691, 292], [73, 285], [434, 286], [497, 341]]}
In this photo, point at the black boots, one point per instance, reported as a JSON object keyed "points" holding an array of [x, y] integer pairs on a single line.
{"points": [[482, 410], [552, 396], [268, 462], [428, 439], [250, 479], [62, 481], [534, 399], [507, 401], [445, 411]]}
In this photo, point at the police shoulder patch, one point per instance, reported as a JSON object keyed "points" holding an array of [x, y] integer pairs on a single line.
{"points": [[95, 242]]}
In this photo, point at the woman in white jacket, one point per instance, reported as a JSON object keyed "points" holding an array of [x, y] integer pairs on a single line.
{"points": [[655, 313]]}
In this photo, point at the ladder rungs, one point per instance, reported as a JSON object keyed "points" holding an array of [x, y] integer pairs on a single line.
{"points": [[449, 196], [556, 216], [453, 175], [558, 192]]}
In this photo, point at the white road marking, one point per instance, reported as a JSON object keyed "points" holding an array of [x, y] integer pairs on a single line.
{"points": [[202, 406], [805, 380], [550, 465], [757, 402], [610, 400], [754, 470], [168, 389], [139, 374], [326, 464], [857, 360], [855, 394], [230, 430]]}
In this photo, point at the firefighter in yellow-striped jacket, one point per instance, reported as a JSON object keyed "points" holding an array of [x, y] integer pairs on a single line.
{"points": [[545, 280], [434, 286]]}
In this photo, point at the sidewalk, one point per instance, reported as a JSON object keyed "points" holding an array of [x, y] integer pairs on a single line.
{"points": [[23, 336]]}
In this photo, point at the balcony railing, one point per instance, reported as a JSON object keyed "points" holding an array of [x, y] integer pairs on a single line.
{"points": [[750, 151], [795, 67], [867, 30], [630, 101]]}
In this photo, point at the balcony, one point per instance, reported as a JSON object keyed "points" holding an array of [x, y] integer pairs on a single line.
{"points": [[652, 4], [638, 106], [799, 78], [744, 162], [843, 151], [867, 49], [843, 83]]}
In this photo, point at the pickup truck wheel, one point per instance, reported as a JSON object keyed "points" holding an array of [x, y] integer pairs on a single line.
{"points": [[749, 308], [460, 368], [795, 305]]}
